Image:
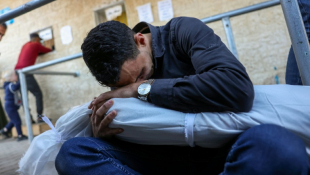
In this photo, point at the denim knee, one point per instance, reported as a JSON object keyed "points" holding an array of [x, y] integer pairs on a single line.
{"points": [[88, 155], [273, 149], [64, 160], [274, 137]]}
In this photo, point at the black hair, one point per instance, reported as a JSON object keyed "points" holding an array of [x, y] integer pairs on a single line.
{"points": [[4, 25], [106, 48]]}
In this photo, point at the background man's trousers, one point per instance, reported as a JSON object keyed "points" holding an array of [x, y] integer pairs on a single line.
{"points": [[33, 87]]}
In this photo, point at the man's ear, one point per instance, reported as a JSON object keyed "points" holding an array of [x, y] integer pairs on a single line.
{"points": [[140, 40]]}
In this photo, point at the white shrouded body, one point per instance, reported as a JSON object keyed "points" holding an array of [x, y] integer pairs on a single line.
{"points": [[145, 123]]}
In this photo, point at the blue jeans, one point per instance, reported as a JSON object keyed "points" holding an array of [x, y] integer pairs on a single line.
{"points": [[292, 73], [264, 149]]}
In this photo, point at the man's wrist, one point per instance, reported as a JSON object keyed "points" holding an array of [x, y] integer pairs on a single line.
{"points": [[144, 90]]}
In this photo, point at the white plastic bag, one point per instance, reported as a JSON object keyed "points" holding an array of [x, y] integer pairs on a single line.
{"points": [[40, 156]]}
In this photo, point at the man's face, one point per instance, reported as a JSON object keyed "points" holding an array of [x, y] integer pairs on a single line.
{"points": [[135, 70], [2, 32]]}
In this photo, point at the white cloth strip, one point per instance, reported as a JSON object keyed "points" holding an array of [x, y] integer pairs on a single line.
{"points": [[189, 129], [50, 124]]}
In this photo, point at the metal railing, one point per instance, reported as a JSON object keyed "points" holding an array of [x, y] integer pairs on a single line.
{"points": [[23, 9], [32, 70], [225, 17]]}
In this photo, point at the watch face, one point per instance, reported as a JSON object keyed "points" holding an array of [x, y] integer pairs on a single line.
{"points": [[144, 88]]}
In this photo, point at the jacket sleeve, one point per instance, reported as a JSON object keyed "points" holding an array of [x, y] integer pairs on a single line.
{"points": [[15, 86], [220, 83]]}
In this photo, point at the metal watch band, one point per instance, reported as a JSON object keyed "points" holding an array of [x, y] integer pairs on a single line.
{"points": [[144, 97]]}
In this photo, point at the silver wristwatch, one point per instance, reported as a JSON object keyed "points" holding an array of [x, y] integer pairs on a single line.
{"points": [[144, 89]]}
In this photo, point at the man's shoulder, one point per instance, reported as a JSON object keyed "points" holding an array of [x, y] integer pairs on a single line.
{"points": [[30, 44], [183, 20], [183, 24]]}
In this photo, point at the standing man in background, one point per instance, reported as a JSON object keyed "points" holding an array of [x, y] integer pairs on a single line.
{"points": [[27, 57], [3, 120]]}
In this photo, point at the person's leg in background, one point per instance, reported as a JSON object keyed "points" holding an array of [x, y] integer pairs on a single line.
{"points": [[7, 129], [33, 87], [32, 121], [8, 107], [12, 112], [267, 149], [292, 75], [3, 120]]}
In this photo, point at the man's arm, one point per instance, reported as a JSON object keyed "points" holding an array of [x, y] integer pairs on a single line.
{"points": [[43, 49], [221, 82]]}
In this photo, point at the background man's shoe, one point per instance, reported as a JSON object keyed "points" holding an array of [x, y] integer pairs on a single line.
{"points": [[23, 137], [39, 119], [4, 133]]}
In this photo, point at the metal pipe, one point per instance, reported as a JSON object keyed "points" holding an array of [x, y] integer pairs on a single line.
{"points": [[23, 9], [299, 38], [230, 36], [75, 74], [241, 11], [49, 63], [23, 86]]}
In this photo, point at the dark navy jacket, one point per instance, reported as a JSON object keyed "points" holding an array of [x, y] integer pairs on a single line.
{"points": [[9, 96], [194, 70]]}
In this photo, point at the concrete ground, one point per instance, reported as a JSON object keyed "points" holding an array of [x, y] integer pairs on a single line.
{"points": [[11, 152]]}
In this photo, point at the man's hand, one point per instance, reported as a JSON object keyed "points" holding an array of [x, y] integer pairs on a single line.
{"points": [[100, 121], [123, 92]]}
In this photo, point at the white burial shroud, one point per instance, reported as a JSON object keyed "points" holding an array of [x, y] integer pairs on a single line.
{"points": [[145, 123]]}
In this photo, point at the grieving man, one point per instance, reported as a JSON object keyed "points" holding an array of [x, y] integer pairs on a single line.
{"points": [[182, 66]]}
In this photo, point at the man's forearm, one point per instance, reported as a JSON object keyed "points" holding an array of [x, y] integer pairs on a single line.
{"points": [[213, 91]]}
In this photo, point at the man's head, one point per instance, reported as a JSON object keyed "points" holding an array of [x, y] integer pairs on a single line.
{"points": [[34, 37], [3, 28], [116, 55]]}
